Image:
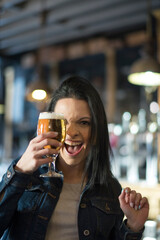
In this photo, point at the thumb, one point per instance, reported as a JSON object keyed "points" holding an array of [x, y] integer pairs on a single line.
{"points": [[124, 197], [121, 197]]}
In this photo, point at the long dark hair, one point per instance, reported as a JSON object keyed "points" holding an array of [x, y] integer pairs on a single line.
{"points": [[97, 166]]}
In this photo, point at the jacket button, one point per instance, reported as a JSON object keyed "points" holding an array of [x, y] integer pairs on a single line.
{"points": [[83, 205], [8, 174], [86, 232]]}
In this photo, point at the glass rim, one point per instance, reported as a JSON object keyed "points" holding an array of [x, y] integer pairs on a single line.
{"points": [[51, 115]]}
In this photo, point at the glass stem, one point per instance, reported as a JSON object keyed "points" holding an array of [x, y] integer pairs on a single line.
{"points": [[50, 167], [54, 162]]}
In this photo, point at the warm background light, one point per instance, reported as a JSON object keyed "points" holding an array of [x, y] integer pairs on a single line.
{"points": [[39, 94], [145, 78]]}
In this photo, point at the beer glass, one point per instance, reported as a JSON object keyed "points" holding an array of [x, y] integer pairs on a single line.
{"points": [[51, 121]]}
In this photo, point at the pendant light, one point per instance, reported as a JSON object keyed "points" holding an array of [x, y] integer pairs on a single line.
{"points": [[146, 70], [38, 90]]}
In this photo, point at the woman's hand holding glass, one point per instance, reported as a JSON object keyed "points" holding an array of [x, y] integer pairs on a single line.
{"points": [[33, 157], [52, 122]]}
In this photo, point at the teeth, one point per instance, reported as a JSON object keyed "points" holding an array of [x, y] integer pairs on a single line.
{"points": [[73, 144]]}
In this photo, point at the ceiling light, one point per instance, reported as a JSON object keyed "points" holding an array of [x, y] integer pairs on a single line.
{"points": [[145, 78], [146, 70], [39, 94], [38, 89]]}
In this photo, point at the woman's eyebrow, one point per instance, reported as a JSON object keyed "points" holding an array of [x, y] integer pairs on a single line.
{"points": [[85, 117]]}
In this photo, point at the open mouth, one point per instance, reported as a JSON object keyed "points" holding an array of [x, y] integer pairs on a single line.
{"points": [[73, 149]]}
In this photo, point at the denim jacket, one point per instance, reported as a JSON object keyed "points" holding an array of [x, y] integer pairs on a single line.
{"points": [[28, 201]]}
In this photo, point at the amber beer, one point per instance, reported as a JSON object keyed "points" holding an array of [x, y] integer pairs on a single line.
{"points": [[51, 121]]}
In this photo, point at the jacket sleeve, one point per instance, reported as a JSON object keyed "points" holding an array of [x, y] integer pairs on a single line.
{"points": [[128, 234], [12, 187]]}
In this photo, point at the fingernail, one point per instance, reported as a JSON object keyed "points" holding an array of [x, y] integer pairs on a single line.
{"points": [[136, 208], [126, 191], [122, 190], [55, 133], [131, 204], [139, 207]]}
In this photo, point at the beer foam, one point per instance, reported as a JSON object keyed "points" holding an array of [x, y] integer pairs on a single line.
{"points": [[51, 115]]}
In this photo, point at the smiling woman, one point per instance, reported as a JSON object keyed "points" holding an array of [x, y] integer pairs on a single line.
{"points": [[78, 130], [85, 201]]}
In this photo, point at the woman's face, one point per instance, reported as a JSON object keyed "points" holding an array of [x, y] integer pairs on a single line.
{"points": [[78, 130]]}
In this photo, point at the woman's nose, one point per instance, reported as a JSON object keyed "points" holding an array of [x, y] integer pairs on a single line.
{"points": [[71, 130]]}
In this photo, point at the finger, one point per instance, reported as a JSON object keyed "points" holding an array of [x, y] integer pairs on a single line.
{"points": [[45, 160], [127, 191], [132, 198], [55, 144], [51, 151], [42, 136], [135, 199], [46, 152], [48, 142], [144, 202], [124, 196]]}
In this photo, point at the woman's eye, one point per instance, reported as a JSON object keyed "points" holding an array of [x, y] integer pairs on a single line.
{"points": [[85, 123]]}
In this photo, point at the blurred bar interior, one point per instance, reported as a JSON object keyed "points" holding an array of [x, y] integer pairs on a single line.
{"points": [[41, 42]]}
